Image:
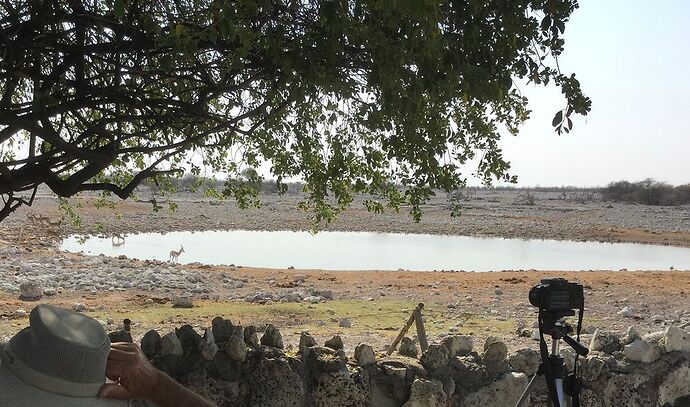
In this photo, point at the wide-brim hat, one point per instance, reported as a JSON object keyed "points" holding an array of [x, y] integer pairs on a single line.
{"points": [[58, 361], [14, 392]]}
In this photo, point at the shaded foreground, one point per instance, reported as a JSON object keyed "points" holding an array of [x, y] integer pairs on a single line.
{"points": [[239, 365]]}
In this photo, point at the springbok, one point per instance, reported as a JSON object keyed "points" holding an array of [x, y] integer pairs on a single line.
{"points": [[174, 254], [37, 218], [43, 220], [117, 239]]}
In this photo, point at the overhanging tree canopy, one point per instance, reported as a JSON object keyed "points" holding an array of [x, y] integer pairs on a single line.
{"points": [[352, 96]]}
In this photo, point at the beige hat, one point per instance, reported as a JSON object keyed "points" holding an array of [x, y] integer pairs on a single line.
{"points": [[59, 360]]}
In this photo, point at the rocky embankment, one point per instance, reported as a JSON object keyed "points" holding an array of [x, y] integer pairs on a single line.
{"points": [[31, 277], [235, 366]]}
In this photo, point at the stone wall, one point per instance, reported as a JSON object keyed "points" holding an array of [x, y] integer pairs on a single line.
{"points": [[237, 366]]}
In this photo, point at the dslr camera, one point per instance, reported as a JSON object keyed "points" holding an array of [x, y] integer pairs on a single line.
{"points": [[557, 296]]}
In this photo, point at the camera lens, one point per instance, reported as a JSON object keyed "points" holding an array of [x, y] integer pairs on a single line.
{"points": [[535, 295]]}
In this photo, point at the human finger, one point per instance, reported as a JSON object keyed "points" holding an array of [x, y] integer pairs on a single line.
{"points": [[124, 346], [117, 368], [119, 354], [114, 391]]}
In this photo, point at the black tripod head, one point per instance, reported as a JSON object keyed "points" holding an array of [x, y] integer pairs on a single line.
{"points": [[553, 325]]}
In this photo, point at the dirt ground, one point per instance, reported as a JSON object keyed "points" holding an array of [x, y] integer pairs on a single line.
{"points": [[378, 302]]}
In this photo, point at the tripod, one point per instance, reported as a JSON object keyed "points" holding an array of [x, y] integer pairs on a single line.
{"points": [[552, 366]]}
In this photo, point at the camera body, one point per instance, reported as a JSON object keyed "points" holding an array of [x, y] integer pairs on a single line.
{"points": [[557, 296]]}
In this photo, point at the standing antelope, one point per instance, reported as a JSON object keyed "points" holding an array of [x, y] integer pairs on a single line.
{"points": [[38, 218], [117, 239], [174, 254]]}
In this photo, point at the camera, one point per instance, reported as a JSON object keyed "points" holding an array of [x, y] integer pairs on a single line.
{"points": [[558, 296]]}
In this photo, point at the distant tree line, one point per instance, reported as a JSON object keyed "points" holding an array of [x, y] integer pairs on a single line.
{"points": [[647, 192], [538, 188], [248, 178]]}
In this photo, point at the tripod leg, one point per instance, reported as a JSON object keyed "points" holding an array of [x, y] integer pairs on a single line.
{"points": [[528, 390], [554, 380], [560, 393]]}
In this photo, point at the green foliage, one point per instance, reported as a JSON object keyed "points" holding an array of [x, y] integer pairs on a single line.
{"points": [[384, 98], [99, 227], [647, 192], [68, 212]]}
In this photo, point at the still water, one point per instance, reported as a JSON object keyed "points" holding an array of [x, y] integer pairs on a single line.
{"points": [[384, 251]]}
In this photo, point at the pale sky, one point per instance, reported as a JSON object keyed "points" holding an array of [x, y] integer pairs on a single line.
{"points": [[632, 58]]}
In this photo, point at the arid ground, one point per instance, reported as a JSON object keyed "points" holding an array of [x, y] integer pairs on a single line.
{"points": [[376, 303]]}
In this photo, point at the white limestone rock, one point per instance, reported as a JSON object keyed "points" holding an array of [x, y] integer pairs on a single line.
{"points": [[207, 346], [171, 345], [676, 385], [427, 393], [183, 302], [606, 342], [525, 361], [505, 391], [458, 345], [676, 340], [627, 312], [630, 336], [435, 357], [364, 355], [641, 351]]}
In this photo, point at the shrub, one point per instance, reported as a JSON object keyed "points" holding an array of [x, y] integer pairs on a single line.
{"points": [[647, 192]]}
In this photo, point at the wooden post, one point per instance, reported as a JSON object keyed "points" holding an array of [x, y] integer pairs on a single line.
{"points": [[421, 332], [404, 329]]}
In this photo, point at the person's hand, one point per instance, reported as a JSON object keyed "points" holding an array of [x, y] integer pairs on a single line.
{"points": [[136, 378], [133, 374]]}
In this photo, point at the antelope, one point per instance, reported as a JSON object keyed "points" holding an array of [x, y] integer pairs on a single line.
{"points": [[37, 218], [174, 254], [118, 239]]}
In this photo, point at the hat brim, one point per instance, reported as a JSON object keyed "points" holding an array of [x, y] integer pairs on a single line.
{"points": [[14, 392]]}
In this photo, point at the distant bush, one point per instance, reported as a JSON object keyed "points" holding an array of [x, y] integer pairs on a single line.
{"points": [[580, 196], [195, 183], [526, 198], [647, 192]]}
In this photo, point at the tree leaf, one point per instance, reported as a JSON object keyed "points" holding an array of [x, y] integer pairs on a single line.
{"points": [[546, 23], [179, 30], [561, 26], [119, 8], [557, 119]]}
